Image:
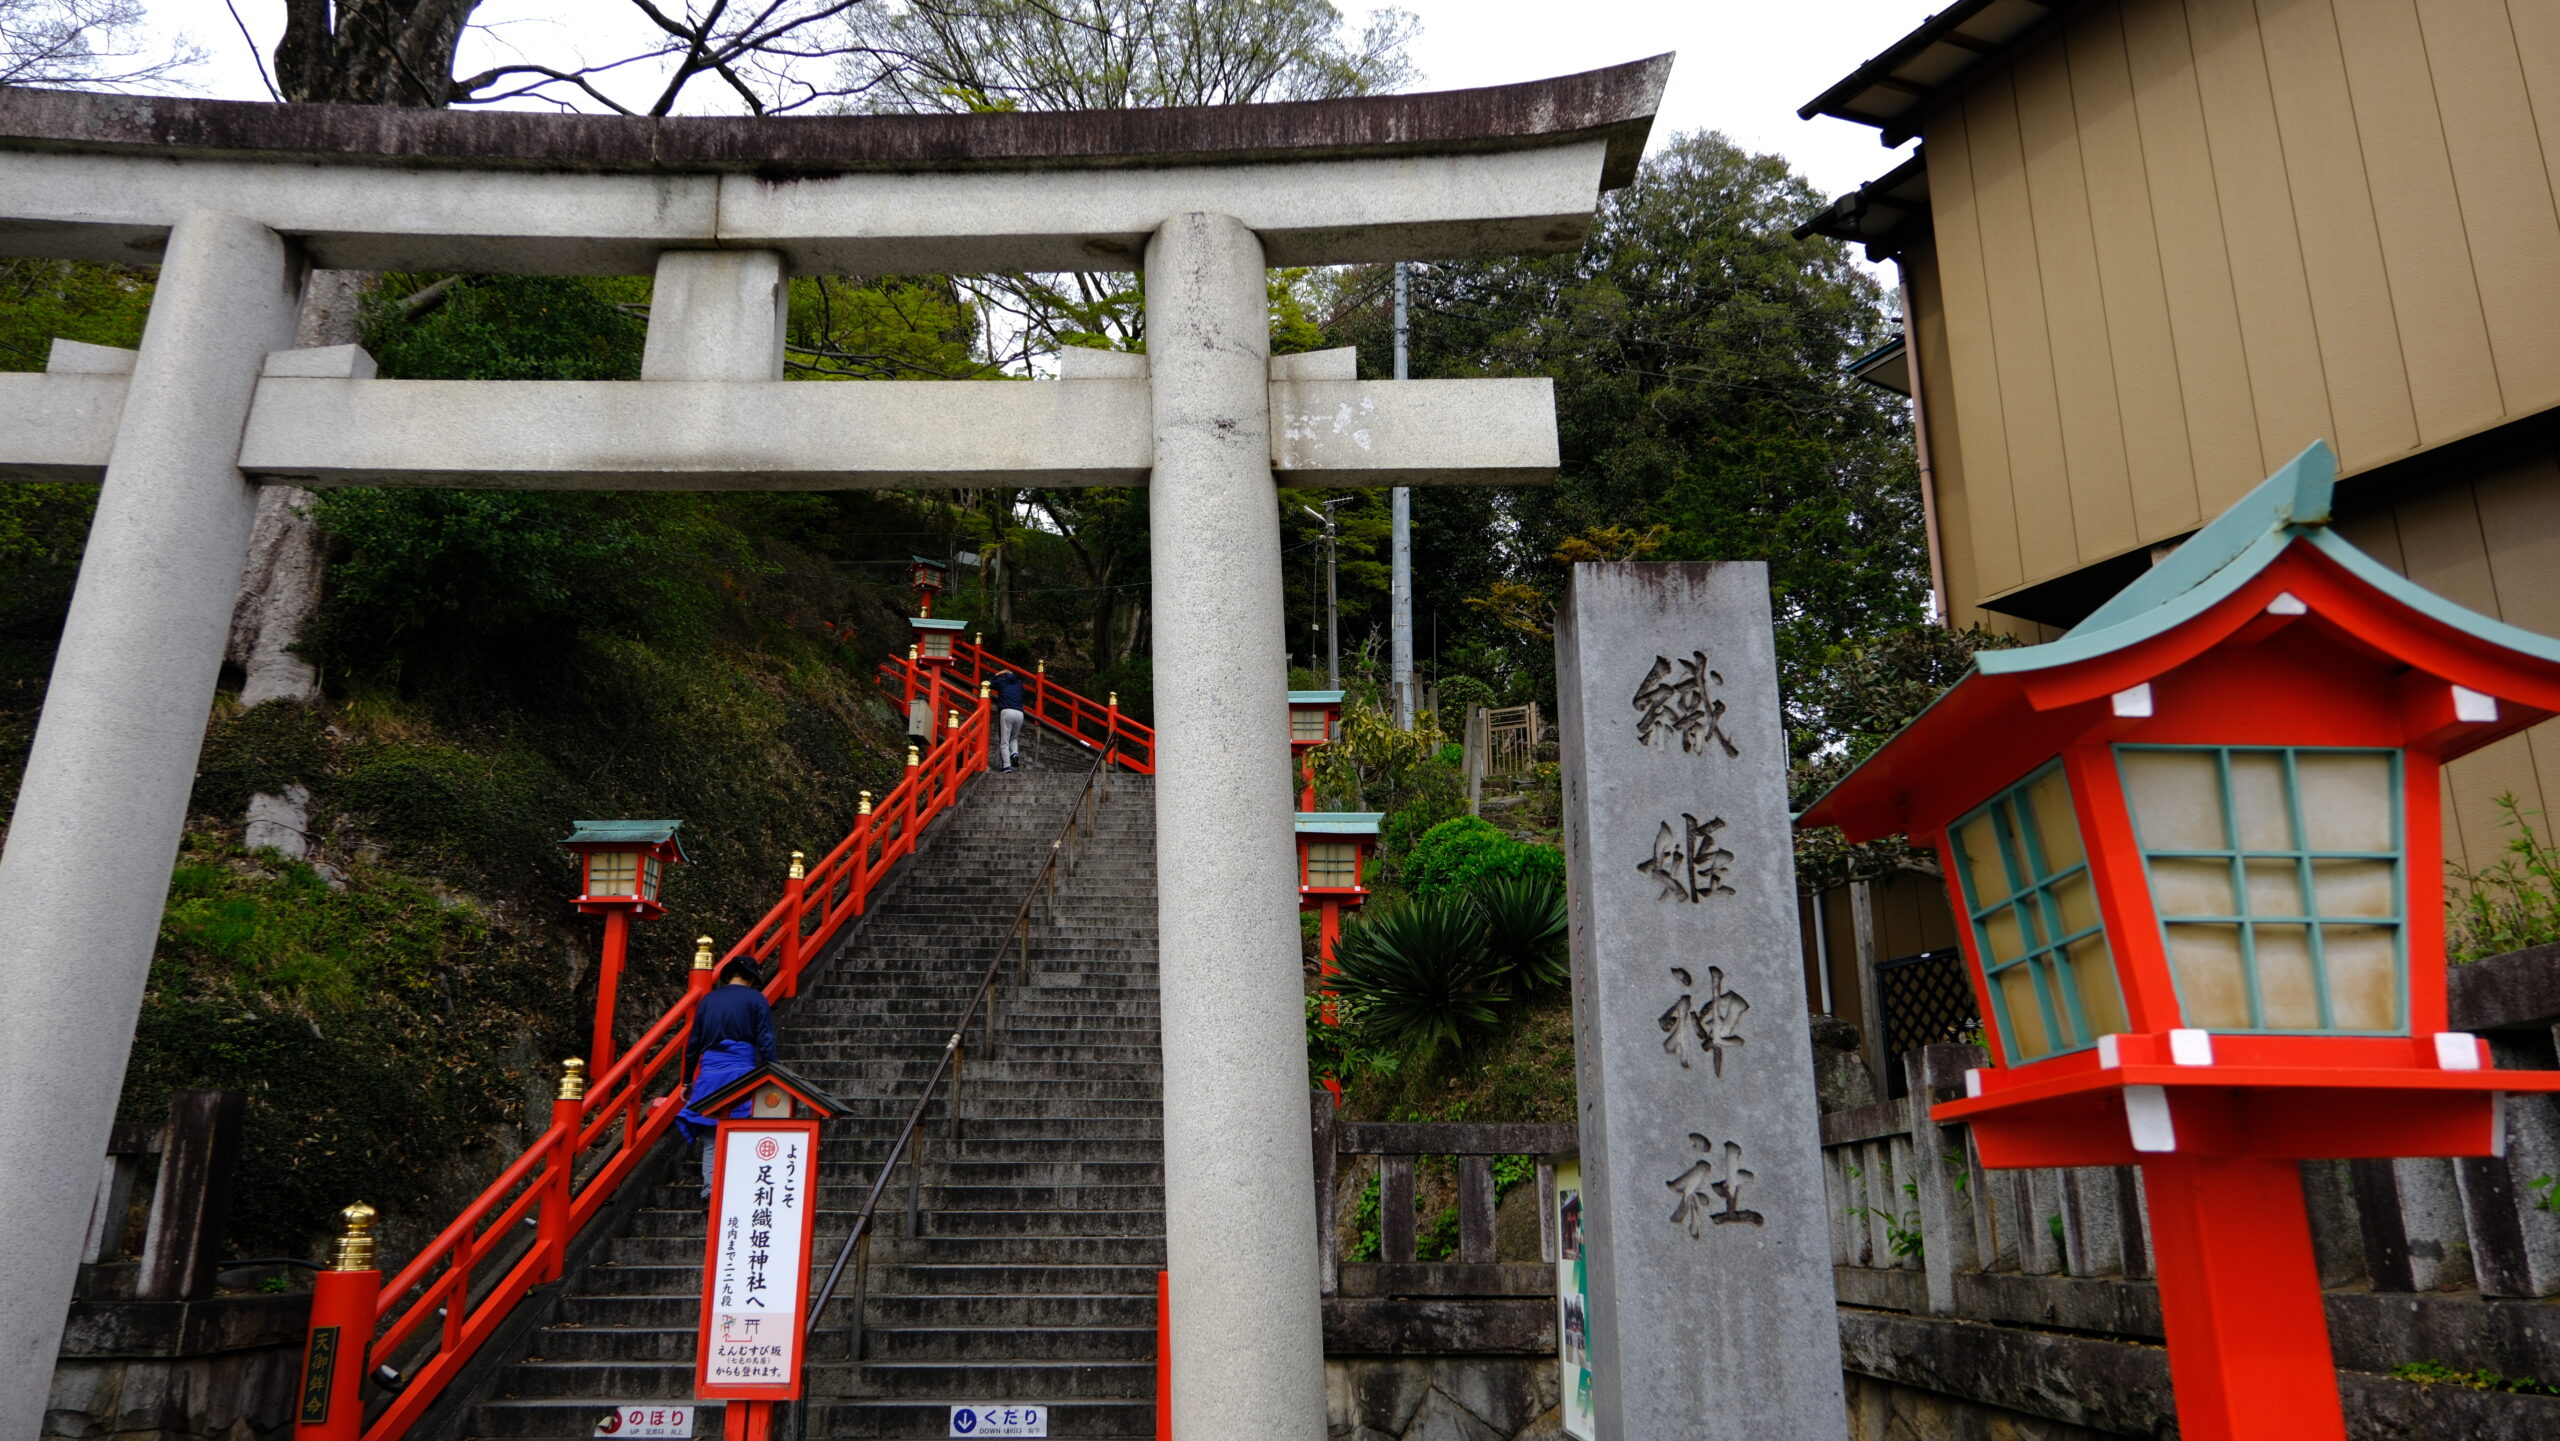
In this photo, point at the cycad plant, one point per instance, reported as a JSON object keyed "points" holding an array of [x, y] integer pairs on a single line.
{"points": [[1419, 975], [1524, 928]]}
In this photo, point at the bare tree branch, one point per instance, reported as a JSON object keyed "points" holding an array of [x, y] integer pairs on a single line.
{"points": [[87, 45]]}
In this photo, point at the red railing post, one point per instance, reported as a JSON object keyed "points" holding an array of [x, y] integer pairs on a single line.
{"points": [[860, 864], [343, 1300], [1164, 1356], [794, 887], [555, 1222]]}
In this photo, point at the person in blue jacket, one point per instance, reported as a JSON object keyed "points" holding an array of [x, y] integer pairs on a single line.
{"points": [[732, 1035], [1008, 698]]}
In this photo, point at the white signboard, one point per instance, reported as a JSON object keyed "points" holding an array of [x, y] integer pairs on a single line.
{"points": [[999, 1421], [758, 1266], [647, 1421]]}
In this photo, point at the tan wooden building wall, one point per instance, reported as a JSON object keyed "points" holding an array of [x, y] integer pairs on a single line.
{"points": [[2172, 242], [2178, 240]]}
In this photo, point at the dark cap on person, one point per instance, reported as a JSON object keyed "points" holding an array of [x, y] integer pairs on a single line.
{"points": [[742, 968]]}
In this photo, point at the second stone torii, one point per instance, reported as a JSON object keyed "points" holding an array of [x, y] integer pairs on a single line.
{"points": [[238, 201]]}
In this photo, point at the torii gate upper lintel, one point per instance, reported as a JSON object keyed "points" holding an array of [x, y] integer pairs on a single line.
{"points": [[238, 201]]}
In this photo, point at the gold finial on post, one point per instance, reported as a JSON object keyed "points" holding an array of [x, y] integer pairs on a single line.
{"points": [[980, 638], [951, 718], [799, 866], [702, 953], [573, 1079], [1042, 667], [355, 1243], [913, 760], [912, 653], [866, 803], [986, 689], [1115, 700]]}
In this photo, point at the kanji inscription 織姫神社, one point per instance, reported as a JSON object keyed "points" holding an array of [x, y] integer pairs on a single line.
{"points": [[1708, 1247]]}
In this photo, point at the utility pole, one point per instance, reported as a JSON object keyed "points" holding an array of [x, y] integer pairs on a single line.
{"points": [[1400, 581], [1332, 611]]}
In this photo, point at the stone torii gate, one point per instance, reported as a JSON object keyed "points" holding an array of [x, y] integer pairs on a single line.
{"points": [[239, 202]]}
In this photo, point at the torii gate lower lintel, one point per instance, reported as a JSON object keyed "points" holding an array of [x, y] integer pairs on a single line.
{"points": [[238, 201]]}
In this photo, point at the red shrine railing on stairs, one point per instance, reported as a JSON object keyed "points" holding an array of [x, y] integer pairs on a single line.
{"points": [[1093, 725], [423, 1326]]}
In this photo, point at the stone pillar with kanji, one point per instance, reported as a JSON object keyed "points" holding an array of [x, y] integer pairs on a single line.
{"points": [[1712, 1314]]}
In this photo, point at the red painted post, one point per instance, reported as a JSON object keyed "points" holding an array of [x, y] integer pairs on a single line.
{"points": [[1164, 1356], [755, 1420], [1328, 931], [698, 984], [553, 1216], [1111, 729], [860, 879], [2240, 1299], [794, 886], [617, 942], [343, 1301]]}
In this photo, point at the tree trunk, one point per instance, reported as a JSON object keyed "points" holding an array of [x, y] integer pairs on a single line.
{"points": [[281, 587]]}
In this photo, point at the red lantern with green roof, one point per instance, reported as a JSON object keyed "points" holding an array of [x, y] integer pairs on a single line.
{"points": [[1334, 848], [1315, 719], [927, 576], [2195, 852], [620, 865]]}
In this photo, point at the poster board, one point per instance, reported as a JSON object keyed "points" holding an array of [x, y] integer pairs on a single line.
{"points": [[1573, 1304], [755, 1266]]}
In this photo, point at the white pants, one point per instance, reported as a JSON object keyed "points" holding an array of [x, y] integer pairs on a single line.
{"points": [[1008, 737]]}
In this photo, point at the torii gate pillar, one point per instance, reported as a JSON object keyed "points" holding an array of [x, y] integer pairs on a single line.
{"points": [[114, 759], [1247, 1335]]}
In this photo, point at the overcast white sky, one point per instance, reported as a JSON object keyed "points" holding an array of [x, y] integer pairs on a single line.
{"points": [[1745, 65]]}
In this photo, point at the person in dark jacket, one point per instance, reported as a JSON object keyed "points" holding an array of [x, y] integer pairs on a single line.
{"points": [[1008, 697], [732, 1035]]}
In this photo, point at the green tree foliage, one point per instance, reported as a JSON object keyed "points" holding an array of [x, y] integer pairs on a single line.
{"points": [[1453, 857], [1851, 701], [44, 527], [1698, 350]]}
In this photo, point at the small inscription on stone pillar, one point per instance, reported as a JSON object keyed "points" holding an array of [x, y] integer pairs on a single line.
{"points": [[1711, 1315]]}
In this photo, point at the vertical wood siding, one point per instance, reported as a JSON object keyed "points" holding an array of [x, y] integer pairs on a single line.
{"points": [[2178, 240]]}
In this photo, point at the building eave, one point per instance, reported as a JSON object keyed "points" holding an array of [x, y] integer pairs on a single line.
{"points": [[1895, 89]]}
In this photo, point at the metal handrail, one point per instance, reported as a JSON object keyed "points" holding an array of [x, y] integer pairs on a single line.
{"points": [[952, 1050]]}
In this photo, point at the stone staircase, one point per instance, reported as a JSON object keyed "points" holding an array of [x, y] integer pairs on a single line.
{"points": [[1032, 1276]]}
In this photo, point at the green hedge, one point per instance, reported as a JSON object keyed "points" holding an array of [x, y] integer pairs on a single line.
{"points": [[1455, 854]]}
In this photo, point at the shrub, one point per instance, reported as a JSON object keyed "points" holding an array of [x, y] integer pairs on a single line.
{"points": [[1524, 928], [1458, 692], [1418, 976], [1453, 856]]}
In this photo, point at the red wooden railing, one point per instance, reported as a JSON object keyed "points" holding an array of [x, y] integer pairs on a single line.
{"points": [[1079, 718], [443, 1306]]}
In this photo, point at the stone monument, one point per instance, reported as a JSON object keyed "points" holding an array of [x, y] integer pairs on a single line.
{"points": [[1711, 1310]]}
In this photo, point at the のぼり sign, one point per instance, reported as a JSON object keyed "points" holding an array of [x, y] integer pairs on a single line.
{"points": [[647, 1421], [983, 1420], [755, 1274]]}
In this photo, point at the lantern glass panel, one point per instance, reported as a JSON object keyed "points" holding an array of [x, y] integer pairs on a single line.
{"points": [[2036, 924], [649, 878], [937, 643], [2276, 874], [1307, 724], [612, 873], [1333, 863]]}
